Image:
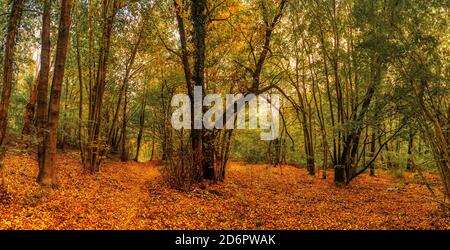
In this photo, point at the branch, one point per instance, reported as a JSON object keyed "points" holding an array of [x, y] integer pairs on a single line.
{"points": [[376, 155], [165, 45], [245, 67]]}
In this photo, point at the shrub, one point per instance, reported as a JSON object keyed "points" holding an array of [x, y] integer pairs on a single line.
{"points": [[179, 172]]}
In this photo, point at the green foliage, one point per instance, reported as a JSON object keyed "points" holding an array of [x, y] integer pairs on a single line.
{"points": [[247, 147]]}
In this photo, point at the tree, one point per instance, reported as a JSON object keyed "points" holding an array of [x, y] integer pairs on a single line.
{"points": [[47, 171], [28, 118], [11, 33], [141, 126], [96, 145], [44, 70]]}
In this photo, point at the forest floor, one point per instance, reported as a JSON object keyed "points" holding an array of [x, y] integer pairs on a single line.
{"points": [[133, 196]]}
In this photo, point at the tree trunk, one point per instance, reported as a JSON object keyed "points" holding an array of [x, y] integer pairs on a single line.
{"points": [[308, 149], [409, 164], [340, 174], [13, 25], [80, 103], [94, 151], [209, 160], [29, 114], [372, 153], [152, 153], [141, 130], [47, 173], [41, 116], [196, 135], [202, 140], [138, 147], [113, 131], [351, 141], [124, 148]]}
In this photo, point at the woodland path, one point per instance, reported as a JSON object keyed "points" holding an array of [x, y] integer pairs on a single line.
{"points": [[111, 199], [133, 196]]}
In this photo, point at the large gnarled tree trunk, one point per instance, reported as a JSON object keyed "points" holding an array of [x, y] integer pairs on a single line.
{"points": [[202, 140]]}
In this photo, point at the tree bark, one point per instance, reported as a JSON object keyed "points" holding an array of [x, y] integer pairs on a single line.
{"points": [[152, 153], [29, 114], [80, 103], [41, 115], [351, 141], [11, 33], [94, 159], [409, 164], [124, 148], [202, 140], [372, 152], [195, 135], [141, 129], [47, 173]]}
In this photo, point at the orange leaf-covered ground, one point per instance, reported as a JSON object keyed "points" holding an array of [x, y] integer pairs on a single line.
{"points": [[133, 196]]}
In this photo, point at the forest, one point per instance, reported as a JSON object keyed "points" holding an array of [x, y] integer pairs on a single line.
{"points": [[358, 93]]}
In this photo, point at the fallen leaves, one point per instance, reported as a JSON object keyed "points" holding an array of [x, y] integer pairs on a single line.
{"points": [[133, 196], [262, 197], [107, 200]]}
